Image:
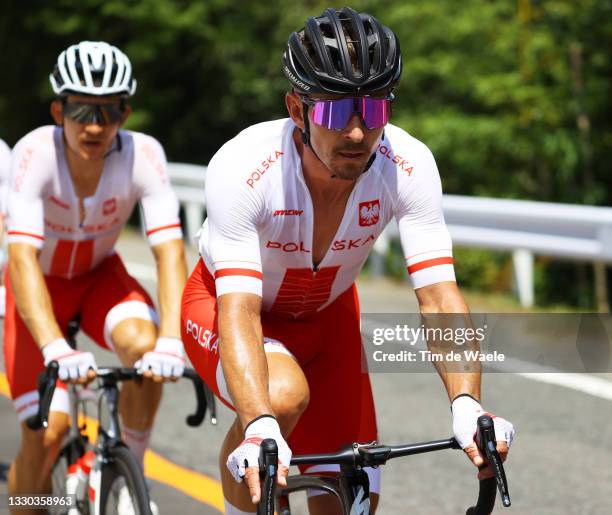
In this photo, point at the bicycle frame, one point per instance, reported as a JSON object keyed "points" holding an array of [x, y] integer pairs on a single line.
{"points": [[351, 487], [109, 395]]}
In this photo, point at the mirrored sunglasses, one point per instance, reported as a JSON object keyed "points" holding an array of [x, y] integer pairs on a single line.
{"points": [[100, 114], [334, 114]]}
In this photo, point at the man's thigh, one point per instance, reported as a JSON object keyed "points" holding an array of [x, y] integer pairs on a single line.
{"points": [[341, 409], [114, 297]]}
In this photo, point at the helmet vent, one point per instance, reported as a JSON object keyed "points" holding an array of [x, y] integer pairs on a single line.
{"points": [[343, 52]]}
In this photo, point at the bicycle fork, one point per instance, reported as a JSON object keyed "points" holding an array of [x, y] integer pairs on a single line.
{"points": [[107, 438]]}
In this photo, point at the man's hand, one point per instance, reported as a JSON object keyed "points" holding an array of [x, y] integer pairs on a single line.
{"points": [[74, 366], [466, 411], [243, 462], [164, 362]]}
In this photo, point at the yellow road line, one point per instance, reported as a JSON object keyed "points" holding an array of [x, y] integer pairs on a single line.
{"points": [[194, 484], [4, 387]]}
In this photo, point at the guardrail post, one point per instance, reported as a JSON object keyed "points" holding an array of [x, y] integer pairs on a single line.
{"points": [[523, 273], [194, 216], [378, 254], [601, 287], [599, 267]]}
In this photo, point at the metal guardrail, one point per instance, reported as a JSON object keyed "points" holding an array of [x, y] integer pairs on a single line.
{"points": [[525, 228]]}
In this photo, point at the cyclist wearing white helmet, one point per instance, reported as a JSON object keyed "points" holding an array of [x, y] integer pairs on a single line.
{"points": [[93, 68], [73, 186], [5, 165]]}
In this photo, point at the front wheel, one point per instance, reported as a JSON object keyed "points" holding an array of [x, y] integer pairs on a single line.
{"points": [[122, 488]]}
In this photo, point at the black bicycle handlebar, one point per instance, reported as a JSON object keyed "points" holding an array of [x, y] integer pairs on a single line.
{"points": [[203, 400], [268, 469], [488, 443], [358, 456], [110, 376], [46, 388]]}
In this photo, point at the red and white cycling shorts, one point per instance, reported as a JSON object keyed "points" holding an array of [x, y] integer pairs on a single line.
{"points": [[327, 346], [102, 297]]}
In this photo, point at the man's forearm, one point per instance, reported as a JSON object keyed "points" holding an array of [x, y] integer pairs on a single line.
{"points": [[172, 276], [442, 306], [32, 297], [244, 361], [457, 383]]}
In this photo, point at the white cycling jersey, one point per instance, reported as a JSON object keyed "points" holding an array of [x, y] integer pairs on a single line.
{"points": [[5, 166], [258, 234], [43, 209]]}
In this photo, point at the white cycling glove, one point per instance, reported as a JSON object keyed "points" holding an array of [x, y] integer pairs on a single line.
{"points": [[165, 360], [73, 364], [247, 453], [465, 416]]}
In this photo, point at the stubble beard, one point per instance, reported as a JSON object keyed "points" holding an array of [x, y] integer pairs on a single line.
{"points": [[347, 173]]}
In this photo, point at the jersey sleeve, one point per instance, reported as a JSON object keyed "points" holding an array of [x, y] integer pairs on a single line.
{"points": [[5, 168], [160, 207], [425, 239], [233, 210], [26, 187]]}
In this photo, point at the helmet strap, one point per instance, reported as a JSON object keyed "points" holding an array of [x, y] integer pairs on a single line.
{"points": [[305, 134], [306, 131], [373, 156], [118, 147]]}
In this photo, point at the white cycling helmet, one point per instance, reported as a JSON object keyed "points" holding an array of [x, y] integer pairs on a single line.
{"points": [[93, 68]]}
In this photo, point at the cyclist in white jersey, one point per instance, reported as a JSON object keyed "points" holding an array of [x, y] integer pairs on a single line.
{"points": [[72, 188], [270, 317], [5, 166]]}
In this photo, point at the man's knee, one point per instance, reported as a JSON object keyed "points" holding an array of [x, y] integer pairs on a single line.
{"points": [[132, 338], [289, 397], [289, 391], [39, 448]]}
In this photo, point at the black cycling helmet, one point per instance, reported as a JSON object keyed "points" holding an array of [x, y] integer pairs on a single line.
{"points": [[342, 52]]}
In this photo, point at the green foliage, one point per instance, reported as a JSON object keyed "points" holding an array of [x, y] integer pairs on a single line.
{"points": [[483, 269], [512, 96], [489, 86], [575, 289]]}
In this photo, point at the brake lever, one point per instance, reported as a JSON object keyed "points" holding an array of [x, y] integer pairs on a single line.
{"points": [[268, 470], [488, 444], [46, 388]]}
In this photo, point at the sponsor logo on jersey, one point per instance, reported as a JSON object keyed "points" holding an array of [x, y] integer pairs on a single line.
{"points": [[89, 228], [290, 246], [24, 164], [295, 246], [265, 165], [158, 166], [403, 164], [109, 206], [58, 202], [351, 244], [288, 212], [369, 213]]}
